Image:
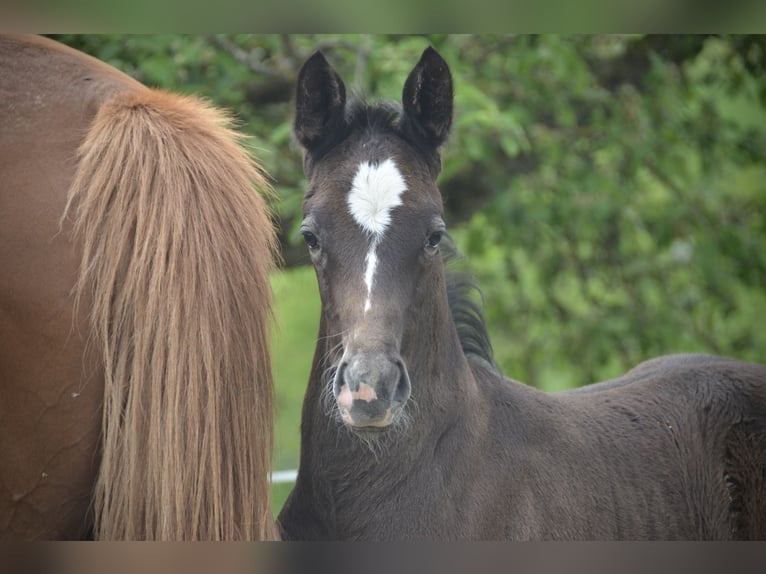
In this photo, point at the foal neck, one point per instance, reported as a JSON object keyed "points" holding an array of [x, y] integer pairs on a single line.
{"points": [[443, 384]]}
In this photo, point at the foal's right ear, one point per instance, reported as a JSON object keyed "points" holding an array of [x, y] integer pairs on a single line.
{"points": [[319, 102]]}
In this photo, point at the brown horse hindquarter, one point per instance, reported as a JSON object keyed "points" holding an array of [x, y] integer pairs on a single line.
{"points": [[135, 308], [50, 392]]}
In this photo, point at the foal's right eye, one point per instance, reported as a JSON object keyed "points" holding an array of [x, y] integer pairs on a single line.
{"points": [[310, 239]]}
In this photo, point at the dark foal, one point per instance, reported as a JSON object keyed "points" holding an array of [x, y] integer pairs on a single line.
{"points": [[409, 431]]}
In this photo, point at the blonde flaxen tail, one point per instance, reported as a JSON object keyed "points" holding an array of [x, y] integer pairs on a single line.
{"points": [[177, 245]]}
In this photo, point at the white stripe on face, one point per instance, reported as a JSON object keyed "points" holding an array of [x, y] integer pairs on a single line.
{"points": [[375, 191]]}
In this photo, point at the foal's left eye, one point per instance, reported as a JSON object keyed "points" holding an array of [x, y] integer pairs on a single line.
{"points": [[434, 239]]}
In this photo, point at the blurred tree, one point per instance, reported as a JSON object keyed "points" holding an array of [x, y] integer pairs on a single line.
{"points": [[608, 190]]}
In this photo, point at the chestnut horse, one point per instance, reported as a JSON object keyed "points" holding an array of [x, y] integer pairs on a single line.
{"points": [[674, 449], [135, 247]]}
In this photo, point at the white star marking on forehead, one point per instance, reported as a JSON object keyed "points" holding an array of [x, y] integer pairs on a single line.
{"points": [[375, 191]]}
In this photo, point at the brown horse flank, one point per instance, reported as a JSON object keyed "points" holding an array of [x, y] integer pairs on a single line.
{"points": [[135, 384], [409, 431]]}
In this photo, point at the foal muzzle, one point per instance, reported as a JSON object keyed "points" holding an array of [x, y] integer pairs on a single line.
{"points": [[371, 389]]}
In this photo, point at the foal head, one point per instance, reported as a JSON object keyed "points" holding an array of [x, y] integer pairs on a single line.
{"points": [[372, 223]]}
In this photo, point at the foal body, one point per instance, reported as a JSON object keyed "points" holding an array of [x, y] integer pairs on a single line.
{"points": [[660, 453], [674, 449]]}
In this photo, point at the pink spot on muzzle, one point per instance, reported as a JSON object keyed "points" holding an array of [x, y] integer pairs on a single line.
{"points": [[346, 398]]}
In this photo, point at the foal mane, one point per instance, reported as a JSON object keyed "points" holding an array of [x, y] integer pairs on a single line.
{"points": [[466, 306], [379, 116]]}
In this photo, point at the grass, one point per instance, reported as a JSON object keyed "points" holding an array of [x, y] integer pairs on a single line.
{"points": [[297, 316]]}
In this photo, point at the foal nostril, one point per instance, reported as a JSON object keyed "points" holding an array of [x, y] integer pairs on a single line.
{"points": [[341, 389], [403, 387], [338, 377]]}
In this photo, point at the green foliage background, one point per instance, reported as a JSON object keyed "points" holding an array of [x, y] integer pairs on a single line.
{"points": [[609, 191]]}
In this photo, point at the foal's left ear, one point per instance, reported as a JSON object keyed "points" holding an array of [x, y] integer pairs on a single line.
{"points": [[427, 98]]}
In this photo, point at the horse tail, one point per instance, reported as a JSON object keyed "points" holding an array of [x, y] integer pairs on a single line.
{"points": [[177, 246]]}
